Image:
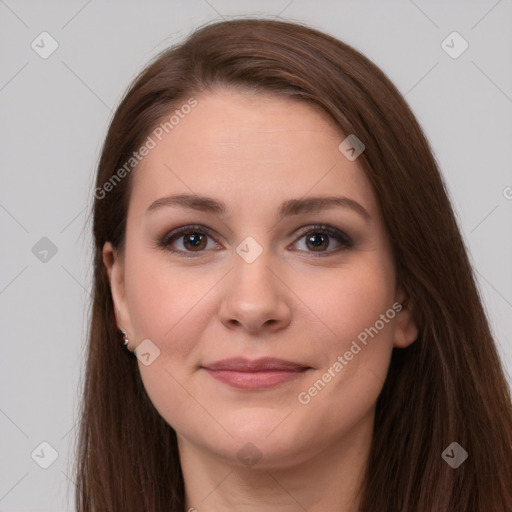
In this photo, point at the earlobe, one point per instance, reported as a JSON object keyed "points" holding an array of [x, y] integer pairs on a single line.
{"points": [[406, 329], [114, 265]]}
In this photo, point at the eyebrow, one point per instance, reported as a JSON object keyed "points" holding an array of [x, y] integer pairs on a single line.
{"points": [[287, 208]]}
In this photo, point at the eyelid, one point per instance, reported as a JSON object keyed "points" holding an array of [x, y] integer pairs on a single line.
{"points": [[326, 228]]}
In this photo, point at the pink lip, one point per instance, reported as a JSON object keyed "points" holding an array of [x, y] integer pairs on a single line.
{"points": [[257, 374]]}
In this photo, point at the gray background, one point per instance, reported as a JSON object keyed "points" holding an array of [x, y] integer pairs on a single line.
{"points": [[55, 113]]}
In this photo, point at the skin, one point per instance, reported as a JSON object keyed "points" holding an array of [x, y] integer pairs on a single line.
{"points": [[254, 151]]}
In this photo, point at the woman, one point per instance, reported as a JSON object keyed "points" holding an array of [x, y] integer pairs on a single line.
{"points": [[300, 321]]}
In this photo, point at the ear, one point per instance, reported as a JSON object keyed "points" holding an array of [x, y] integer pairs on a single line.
{"points": [[114, 263], [406, 330]]}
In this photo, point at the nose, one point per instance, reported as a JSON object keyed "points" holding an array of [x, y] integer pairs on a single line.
{"points": [[255, 298]]}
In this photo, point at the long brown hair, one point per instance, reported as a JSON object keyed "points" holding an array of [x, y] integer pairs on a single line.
{"points": [[447, 386]]}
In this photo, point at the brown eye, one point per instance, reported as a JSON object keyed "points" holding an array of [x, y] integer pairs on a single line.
{"points": [[320, 238], [194, 241], [317, 241], [187, 240]]}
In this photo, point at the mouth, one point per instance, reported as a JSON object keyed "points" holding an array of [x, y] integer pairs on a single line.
{"points": [[255, 374]]}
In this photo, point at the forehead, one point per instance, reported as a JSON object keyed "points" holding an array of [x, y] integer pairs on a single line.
{"points": [[248, 147]]}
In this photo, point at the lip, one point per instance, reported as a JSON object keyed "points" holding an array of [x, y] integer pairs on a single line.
{"points": [[240, 364], [255, 374]]}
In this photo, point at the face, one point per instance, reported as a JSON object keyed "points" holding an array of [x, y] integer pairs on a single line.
{"points": [[270, 320]]}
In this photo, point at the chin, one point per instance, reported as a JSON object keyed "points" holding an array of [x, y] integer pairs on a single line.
{"points": [[261, 439], [257, 423]]}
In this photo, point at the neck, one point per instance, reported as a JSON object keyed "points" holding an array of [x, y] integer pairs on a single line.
{"points": [[329, 479]]}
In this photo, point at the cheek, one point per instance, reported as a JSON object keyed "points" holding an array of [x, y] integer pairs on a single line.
{"points": [[170, 306], [356, 358], [356, 319], [345, 301], [162, 297]]}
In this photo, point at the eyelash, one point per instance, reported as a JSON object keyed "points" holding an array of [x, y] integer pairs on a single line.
{"points": [[345, 241]]}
